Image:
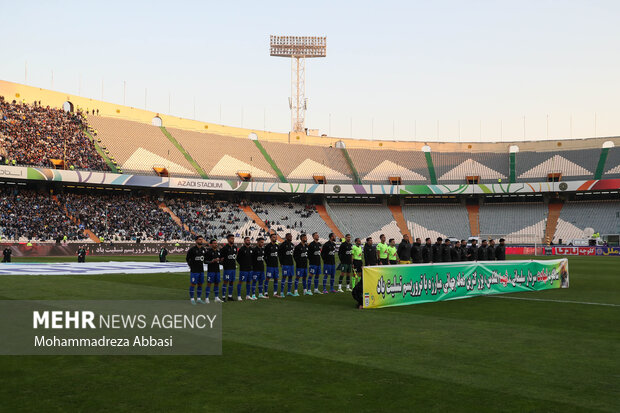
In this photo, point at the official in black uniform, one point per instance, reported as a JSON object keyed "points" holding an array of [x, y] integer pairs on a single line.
{"points": [[244, 258], [6, 254], [404, 250], [437, 247], [472, 251], [195, 259], [500, 250], [427, 251], [370, 253], [346, 262], [416, 251]]}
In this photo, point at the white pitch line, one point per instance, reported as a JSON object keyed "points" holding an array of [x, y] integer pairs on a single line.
{"points": [[554, 301]]}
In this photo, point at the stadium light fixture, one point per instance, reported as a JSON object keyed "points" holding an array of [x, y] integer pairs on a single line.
{"points": [[298, 48]]}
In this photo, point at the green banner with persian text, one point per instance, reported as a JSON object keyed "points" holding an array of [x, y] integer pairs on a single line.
{"points": [[391, 285]]}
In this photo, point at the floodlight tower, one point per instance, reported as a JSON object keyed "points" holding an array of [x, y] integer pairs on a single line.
{"points": [[298, 48]]}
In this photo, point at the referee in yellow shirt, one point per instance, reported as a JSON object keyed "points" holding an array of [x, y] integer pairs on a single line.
{"points": [[382, 251]]}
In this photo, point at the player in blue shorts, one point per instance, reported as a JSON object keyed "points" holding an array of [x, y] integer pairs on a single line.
{"points": [[300, 253], [244, 258], [195, 258], [229, 261], [314, 258], [285, 254], [271, 259], [258, 269], [328, 253], [212, 258]]}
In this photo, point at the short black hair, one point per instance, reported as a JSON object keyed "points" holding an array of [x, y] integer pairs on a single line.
{"points": [[331, 234], [198, 237], [230, 235], [368, 239], [260, 239], [356, 239], [427, 239], [502, 240], [439, 239], [391, 239], [315, 233], [212, 241], [348, 235], [244, 238]]}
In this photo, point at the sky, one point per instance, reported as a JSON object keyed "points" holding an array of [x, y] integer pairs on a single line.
{"points": [[406, 70]]}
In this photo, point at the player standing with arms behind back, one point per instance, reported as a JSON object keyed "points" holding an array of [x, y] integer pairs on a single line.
{"points": [[328, 253], [314, 256], [244, 258], [195, 259], [273, 270], [213, 258], [258, 267], [229, 256], [285, 253], [300, 253], [346, 262]]}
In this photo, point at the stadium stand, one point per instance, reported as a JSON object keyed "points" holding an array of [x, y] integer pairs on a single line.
{"points": [[365, 220], [33, 135], [299, 163], [454, 167], [612, 165], [283, 217], [28, 215], [574, 164], [378, 165], [437, 220], [601, 216], [123, 218], [222, 156], [139, 147], [517, 222], [215, 219]]}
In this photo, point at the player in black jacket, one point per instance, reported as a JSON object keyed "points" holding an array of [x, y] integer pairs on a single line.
{"points": [[81, 254], [300, 254], [314, 256], [273, 268], [258, 269], [163, 254], [346, 262], [285, 254], [416, 251], [437, 247], [328, 253], [427, 251], [244, 258], [404, 250], [370, 253], [212, 259], [463, 250], [229, 262], [445, 251], [482, 251], [500, 250], [491, 250], [195, 258], [472, 251], [6, 254], [455, 252]]}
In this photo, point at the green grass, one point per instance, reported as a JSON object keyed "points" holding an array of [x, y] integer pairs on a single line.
{"points": [[321, 354]]}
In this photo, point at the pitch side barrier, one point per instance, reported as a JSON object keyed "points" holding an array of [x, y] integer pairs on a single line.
{"points": [[67, 250], [394, 285]]}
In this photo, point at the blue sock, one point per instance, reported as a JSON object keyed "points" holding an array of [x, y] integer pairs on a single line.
{"points": [[199, 292], [248, 289], [316, 281], [253, 287], [324, 282], [275, 286], [305, 283], [239, 290], [191, 291], [207, 291], [296, 283], [230, 289], [282, 285], [332, 279], [216, 290]]}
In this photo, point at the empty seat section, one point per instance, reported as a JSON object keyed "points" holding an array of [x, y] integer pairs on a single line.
{"points": [[437, 220]]}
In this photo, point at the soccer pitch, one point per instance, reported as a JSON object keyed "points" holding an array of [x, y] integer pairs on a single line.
{"points": [[554, 350]]}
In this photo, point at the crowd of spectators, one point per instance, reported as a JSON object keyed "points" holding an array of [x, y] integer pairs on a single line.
{"points": [[122, 217], [31, 134], [281, 223], [27, 215]]}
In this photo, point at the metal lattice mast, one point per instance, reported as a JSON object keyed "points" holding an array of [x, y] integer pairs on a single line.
{"points": [[298, 48]]}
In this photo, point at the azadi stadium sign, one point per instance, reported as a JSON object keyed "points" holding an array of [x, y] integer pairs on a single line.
{"points": [[149, 181]]}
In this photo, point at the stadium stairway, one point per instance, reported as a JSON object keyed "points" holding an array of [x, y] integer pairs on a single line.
{"points": [[397, 213], [108, 160], [88, 232], [356, 176], [555, 208], [431, 168], [474, 221], [254, 217], [600, 169], [328, 220], [175, 218], [270, 161], [187, 156]]}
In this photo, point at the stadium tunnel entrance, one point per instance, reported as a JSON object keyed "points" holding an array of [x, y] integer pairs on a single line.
{"points": [[68, 107]]}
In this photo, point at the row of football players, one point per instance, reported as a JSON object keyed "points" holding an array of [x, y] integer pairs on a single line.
{"points": [[260, 264]]}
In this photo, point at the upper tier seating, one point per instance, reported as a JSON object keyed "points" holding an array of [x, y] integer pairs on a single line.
{"points": [[516, 222], [454, 167], [437, 220], [378, 165], [572, 164], [365, 220]]}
